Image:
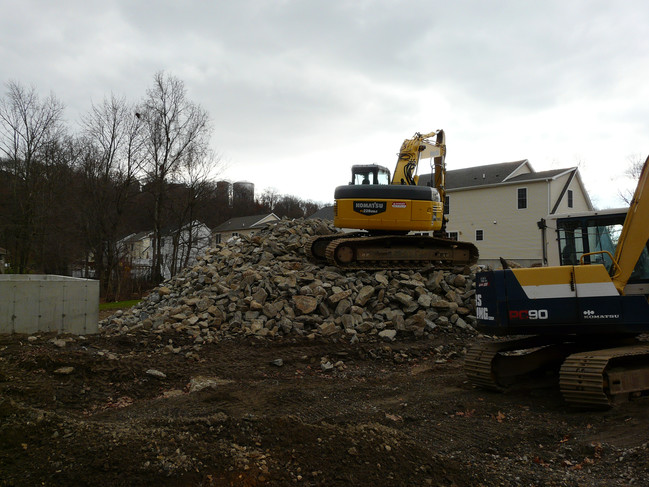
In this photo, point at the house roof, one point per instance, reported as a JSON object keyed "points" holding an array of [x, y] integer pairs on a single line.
{"points": [[134, 237], [540, 176], [170, 230], [324, 213], [493, 174], [244, 223]]}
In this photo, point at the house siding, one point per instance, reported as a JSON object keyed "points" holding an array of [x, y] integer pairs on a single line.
{"points": [[486, 198], [580, 201], [515, 234], [522, 169]]}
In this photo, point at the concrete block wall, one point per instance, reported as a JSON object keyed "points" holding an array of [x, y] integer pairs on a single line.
{"points": [[48, 303]]}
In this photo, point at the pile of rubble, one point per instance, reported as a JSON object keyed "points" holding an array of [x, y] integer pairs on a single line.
{"points": [[264, 286]]}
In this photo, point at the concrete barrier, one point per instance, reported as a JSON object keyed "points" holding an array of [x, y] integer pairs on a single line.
{"points": [[31, 303]]}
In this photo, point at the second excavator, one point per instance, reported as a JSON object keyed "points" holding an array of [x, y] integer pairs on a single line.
{"points": [[581, 324], [386, 209]]}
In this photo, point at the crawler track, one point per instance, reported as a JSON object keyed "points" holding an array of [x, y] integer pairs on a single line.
{"points": [[597, 378], [519, 363], [352, 251], [316, 247], [589, 375]]}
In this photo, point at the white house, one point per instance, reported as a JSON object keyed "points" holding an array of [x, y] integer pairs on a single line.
{"points": [[136, 253], [502, 208], [180, 248]]}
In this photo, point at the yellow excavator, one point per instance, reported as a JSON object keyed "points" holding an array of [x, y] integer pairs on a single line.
{"points": [[580, 324], [387, 208]]}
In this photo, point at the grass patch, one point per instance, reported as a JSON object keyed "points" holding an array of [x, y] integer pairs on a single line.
{"points": [[118, 304]]}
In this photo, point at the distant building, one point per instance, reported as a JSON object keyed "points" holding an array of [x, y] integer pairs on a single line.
{"points": [[243, 192], [224, 193], [245, 225], [324, 213]]}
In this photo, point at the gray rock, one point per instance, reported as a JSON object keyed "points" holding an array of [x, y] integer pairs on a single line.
{"points": [[328, 328], [338, 296], [265, 286], [388, 335], [327, 366], [64, 370], [305, 304], [364, 295], [156, 373], [200, 383]]}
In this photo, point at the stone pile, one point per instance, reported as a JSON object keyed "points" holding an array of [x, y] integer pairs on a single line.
{"points": [[264, 286]]}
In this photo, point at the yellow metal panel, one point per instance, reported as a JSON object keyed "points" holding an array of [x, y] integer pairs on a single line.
{"points": [[399, 215], [565, 281], [591, 273], [539, 276]]}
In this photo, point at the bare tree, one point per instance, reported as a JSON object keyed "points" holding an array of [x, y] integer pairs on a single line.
{"points": [[633, 170], [112, 152], [289, 206], [59, 241], [185, 208], [175, 130], [309, 207], [269, 198], [28, 126]]}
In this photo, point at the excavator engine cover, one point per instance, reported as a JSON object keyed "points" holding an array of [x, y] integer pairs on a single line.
{"points": [[388, 208], [540, 301]]}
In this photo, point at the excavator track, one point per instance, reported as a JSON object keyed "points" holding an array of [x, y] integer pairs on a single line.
{"points": [[316, 246], [596, 379], [589, 375], [399, 252], [518, 363]]}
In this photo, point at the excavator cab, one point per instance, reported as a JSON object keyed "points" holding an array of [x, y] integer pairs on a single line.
{"points": [[594, 236], [370, 174]]}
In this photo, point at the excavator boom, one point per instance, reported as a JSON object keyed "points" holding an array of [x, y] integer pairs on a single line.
{"points": [[412, 150], [635, 232]]}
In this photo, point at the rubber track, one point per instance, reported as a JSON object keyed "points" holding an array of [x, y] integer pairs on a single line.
{"points": [[479, 359], [399, 243], [582, 376]]}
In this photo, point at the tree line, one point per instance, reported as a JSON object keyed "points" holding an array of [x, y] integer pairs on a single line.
{"points": [[70, 196]]}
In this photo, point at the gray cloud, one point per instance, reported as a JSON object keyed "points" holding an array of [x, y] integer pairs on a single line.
{"points": [[312, 86]]}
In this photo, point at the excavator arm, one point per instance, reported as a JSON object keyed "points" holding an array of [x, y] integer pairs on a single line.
{"points": [[635, 233], [410, 153]]}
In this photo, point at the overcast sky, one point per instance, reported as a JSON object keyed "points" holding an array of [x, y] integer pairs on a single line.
{"points": [[298, 91]]}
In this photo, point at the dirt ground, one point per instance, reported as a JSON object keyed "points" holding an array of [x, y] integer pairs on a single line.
{"points": [[129, 410]]}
